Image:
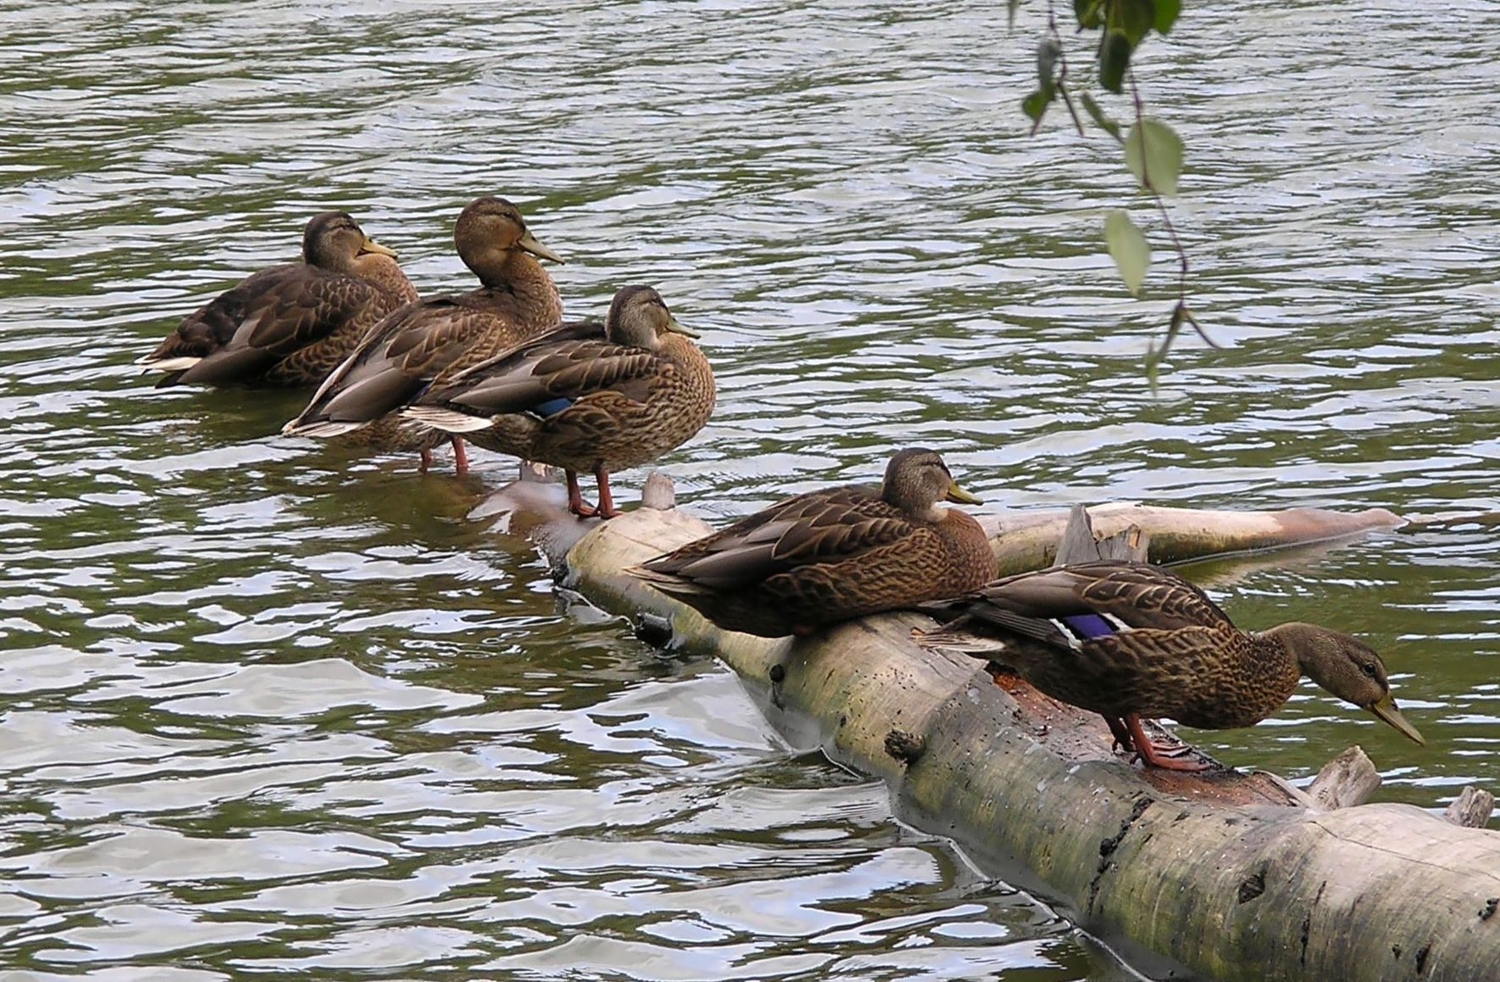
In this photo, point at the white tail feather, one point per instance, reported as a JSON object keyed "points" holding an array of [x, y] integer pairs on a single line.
{"points": [[149, 364], [447, 420], [323, 430]]}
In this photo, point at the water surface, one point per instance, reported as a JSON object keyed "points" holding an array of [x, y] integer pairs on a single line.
{"points": [[271, 709]]}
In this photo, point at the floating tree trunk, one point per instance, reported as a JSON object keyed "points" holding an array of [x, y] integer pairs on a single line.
{"points": [[1227, 875]]}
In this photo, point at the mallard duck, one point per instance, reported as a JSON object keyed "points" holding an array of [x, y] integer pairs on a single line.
{"points": [[417, 344], [289, 325], [833, 555], [586, 397], [1129, 640]]}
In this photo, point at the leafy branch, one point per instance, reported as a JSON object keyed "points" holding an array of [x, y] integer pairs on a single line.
{"points": [[1152, 150]]}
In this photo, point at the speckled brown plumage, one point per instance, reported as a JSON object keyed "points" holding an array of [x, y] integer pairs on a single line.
{"points": [[1131, 640], [289, 325], [425, 341], [833, 555], [586, 397]]}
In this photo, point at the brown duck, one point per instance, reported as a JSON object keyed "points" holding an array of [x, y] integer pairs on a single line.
{"points": [[585, 397], [833, 555], [1130, 640], [417, 344], [289, 325]]}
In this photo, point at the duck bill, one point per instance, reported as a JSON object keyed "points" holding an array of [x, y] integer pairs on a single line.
{"points": [[677, 328], [370, 245], [1386, 710], [530, 243], [959, 495]]}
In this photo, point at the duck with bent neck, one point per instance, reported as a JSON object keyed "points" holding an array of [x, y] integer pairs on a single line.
{"points": [[289, 325]]}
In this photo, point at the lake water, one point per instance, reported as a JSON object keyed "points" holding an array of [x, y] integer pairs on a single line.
{"points": [[273, 710]]}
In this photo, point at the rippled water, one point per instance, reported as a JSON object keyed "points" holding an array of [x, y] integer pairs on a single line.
{"points": [[270, 709]]}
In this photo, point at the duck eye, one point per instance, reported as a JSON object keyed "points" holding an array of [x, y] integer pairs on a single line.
{"points": [[1368, 668]]}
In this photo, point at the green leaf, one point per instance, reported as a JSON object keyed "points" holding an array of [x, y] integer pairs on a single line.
{"points": [[1166, 15], [1036, 104], [1090, 13], [1153, 153], [1128, 248], [1133, 18], [1114, 58], [1100, 119]]}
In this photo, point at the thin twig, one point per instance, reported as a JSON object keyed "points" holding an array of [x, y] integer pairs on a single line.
{"points": [[1062, 76]]}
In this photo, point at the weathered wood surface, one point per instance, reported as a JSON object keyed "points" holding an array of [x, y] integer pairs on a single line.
{"points": [[1345, 781], [1230, 875], [1472, 808], [1026, 540]]}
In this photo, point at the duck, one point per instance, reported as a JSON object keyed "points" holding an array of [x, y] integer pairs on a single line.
{"points": [[589, 396], [289, 325], [1131, 640], [422, 342], [833, 555]]}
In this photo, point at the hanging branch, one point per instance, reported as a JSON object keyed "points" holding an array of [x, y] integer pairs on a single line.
{"points": [[1153, 152]]}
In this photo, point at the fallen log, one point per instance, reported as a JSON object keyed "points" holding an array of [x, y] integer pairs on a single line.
{"points": [[1228, 875], [1027, 540]]}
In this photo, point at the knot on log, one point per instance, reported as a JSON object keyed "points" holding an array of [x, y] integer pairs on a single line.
{"points": [[653, 629], [904, 746], [1252, 886]]}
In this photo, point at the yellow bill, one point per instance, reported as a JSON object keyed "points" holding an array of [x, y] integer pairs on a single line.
{"points": [[530, 243], [677, 328], [370, 245], [958, 494], [1386, 710]]}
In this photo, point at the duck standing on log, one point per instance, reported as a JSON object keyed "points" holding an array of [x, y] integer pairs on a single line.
{"points": [[585, 397], [1129, 640], [833, 555], [421, 342], [289, 325]]}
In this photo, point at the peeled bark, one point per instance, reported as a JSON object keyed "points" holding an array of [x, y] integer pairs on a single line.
{"points": [[1233, 876]]}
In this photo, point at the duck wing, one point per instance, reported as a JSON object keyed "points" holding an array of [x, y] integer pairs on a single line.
{"points": [[242, 333], [396, 361], [1067, 606], [821, 527], [548, 374]]}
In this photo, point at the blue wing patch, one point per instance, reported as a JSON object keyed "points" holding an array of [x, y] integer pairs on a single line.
{"points": [[552, 406], [1087, 626]]}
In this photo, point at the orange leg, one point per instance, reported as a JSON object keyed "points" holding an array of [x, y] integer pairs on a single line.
{"points": [[1153, 755], [576, 504], [460, 458], [426, 462], [607, 507]]}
